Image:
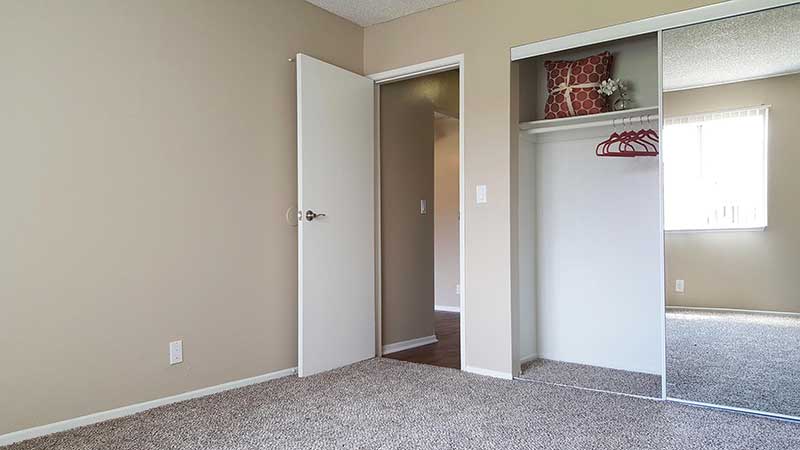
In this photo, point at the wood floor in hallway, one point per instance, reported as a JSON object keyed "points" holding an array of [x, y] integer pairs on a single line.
{"points": [[446, 352]]}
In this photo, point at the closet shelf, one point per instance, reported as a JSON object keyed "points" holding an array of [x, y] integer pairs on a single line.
{"points": [[594, 120]]}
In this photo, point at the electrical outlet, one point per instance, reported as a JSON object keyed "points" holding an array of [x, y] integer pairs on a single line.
{"points": [[175, 352], [680, 286]]}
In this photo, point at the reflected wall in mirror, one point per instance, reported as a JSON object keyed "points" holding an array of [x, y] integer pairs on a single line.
{"points": [[731, 155]]}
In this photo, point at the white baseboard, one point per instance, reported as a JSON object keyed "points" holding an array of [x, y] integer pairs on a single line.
{"points": [[30, 433], [488, 373], [529, 358], [748, 311], [411, 343], [446, 308]]}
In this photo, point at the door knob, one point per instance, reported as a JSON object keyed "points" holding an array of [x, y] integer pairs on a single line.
{"points": [[311, 215]]}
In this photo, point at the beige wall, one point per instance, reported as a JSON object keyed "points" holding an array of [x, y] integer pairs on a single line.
{"points": [[149, 156], [445, 215], [406, 235], [407, 176], [751, 269], [484, 31], [153, 148]]}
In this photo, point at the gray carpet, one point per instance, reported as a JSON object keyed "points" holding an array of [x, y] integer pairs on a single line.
{"points": [[388, 404], [592, 377], [746, 360]]}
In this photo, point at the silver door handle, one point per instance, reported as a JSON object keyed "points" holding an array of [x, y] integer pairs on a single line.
{"points": [[311, 215]]}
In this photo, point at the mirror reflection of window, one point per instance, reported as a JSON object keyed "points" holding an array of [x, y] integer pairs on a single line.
{"points": [[715, 172]]}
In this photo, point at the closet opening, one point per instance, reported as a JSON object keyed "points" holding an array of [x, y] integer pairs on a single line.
{"points": [[586, 217], [419, 153]]}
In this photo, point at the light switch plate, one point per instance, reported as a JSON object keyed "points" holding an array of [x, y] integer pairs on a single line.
{"points": [[175, 352], [680, 286], [480, 193], [423, 207]]}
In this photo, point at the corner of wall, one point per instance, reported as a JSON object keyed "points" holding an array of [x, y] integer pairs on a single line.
{"points": [[364, 51]]}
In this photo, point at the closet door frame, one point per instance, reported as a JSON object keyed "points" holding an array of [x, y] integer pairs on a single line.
{"points": [[657, 25], [645, 26]]}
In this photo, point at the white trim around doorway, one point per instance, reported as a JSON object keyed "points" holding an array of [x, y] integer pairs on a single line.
{"points": [[414, 71]]}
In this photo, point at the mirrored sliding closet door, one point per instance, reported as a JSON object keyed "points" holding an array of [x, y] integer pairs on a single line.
{"points": [[731, 159]]}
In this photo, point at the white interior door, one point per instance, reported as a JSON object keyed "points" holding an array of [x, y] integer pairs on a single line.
{"points": [[335, 177]]}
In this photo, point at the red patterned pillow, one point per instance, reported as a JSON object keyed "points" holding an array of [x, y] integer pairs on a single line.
{"points": [[572, 86]]}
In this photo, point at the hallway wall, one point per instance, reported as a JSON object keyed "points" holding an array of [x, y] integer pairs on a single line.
{"points": [[407, 176], [445, 215]]}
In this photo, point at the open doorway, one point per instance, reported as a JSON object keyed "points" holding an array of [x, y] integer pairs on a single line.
{"points": [[419, 153]]}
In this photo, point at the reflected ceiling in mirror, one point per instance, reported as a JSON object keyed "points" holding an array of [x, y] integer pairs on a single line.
{"points": [[747, 47]]}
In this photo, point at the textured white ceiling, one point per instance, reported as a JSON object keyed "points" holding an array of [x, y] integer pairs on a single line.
{"points": [[755, 45], [370, 12]]}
